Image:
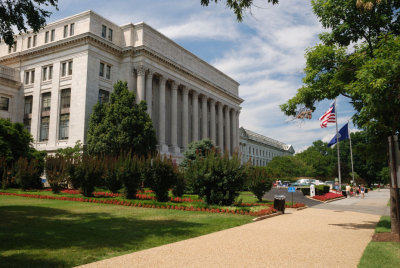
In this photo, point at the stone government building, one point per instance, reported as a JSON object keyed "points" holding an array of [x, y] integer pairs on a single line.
{"points": [[259, 149], [51, 80]]}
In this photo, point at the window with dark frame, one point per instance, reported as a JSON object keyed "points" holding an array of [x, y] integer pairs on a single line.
{"points": [[28, 105], [110, 34], [70, 67], [65, 98], [71, 29], [34, 40], [44, 73], [65, 31], [108, 72], [63, 127], [4, 103], [53, 35], [46, 101], [46, 37], [29, 77], [103, 31], [15, 46], [44, 128], [63, 68], [29, 42], [104, 96], [101, 71]]}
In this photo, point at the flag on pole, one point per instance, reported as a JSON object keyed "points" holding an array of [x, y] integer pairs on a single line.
{"points": [[343, 134], [329, 116]]}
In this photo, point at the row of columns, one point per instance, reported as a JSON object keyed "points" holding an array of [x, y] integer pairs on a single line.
{"points": [[144, 90]]}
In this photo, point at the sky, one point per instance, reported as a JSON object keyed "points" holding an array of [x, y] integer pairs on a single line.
{"points": [[264, 53]]}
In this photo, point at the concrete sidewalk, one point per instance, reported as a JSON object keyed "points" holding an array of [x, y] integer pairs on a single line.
{"points": [[306, 238]]}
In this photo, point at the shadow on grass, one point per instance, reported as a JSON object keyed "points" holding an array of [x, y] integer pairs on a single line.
{"points": [[42, 230], [365, 225]]}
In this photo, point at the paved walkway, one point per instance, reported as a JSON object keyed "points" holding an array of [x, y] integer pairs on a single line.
{"points": [[298, 196], [314, 237]]}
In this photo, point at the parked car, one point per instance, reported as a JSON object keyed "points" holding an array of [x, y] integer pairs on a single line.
{"points": [[286, 183]]}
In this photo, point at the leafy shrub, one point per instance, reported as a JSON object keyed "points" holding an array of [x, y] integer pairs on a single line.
{"points": [[305, 190], [87, 171], [56, 172], [180, 184], [322, 189], [195, 150], [160, 176], [218, 179], [258, 181], [110, 175], [28, 173], [130, 173]]}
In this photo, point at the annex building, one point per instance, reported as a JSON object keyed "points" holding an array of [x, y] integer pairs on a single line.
{"points": [[259, 149], [51, 80]]}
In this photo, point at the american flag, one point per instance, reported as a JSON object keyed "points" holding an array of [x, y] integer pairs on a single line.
{"points": [[329, 116]]}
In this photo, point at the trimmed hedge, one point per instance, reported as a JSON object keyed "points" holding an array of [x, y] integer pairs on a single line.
{"points": [[305, 191]]}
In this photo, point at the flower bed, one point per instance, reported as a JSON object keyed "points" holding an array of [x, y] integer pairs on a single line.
{"points": [[327, 196], [137, 203], [295, 205]]}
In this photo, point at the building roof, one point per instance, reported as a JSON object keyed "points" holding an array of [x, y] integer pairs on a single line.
{"points": [[251, 135]]}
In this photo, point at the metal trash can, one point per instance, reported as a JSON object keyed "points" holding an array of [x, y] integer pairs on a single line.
{"points": [[279, 203], [344, 193]]}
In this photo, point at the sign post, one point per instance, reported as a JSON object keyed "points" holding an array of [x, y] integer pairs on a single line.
{"points": [[292, 190]]}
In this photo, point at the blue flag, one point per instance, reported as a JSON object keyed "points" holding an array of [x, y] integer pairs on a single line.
{"points": [[343, 135]]}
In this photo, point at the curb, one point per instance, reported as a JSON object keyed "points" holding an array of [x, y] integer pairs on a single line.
{"points": [[267, 216]]}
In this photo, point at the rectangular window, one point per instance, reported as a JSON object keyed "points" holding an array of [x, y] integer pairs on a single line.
{"points": [[65, 98], [28, 105], [46, 37], [70, 67], [71, 29], [53, 35], [101, 72], [15, 46], [103, 31], [108, 72], [65, 31], [110, 34], [32, 76], [44, 73], [27, 124], [4, 103], [64, 127], [104, 96], [50, 72], [29, 41], [34, 40], [46, 99], [44, 128], [63, 69], [27, 78]]}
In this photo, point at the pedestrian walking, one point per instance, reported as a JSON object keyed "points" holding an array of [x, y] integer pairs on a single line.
{"points": [[362, 190], [348, 188]]}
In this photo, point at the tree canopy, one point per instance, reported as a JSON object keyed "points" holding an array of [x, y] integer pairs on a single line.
{"points": [[366, 73], [20, 14], [238, 6], [121, 126]]}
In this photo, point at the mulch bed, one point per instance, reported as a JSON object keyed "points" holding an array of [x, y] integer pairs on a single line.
{"points": [[385, 237]]}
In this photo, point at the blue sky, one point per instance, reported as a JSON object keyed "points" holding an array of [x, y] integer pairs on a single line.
{"points": [[264, 53]]}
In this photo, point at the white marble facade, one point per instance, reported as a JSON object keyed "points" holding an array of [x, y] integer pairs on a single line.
{"points": [[71, 64], [259, 149]]}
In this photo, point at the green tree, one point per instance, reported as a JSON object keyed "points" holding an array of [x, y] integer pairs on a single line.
{"points": [[238, 6], [367, 73], [121, 126], [195, 149], [17, 15], [288, 167]]}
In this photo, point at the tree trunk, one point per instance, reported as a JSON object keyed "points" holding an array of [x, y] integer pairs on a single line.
{"points": [[394, 157]]}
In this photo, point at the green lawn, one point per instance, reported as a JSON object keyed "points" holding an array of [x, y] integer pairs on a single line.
{"points": [[381, 254], [52, 233]]}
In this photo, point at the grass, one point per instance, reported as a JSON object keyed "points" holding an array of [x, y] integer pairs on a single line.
{"points": [[381, 254], [52, 233]]}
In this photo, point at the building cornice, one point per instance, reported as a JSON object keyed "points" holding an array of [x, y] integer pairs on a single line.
{"points": [[97, 41]]}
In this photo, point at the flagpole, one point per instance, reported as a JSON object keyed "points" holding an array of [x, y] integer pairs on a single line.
{"points": [[351, 151], [338, 150]]}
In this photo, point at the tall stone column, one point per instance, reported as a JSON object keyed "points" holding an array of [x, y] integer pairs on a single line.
{"points": [[149, 91], [227, 130], [141, 72], [237, 128], [204, 121], [212, 122], [234, 132], [221, 127], [185, 118], [174, 118], [195, 116], [161, 117]]}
